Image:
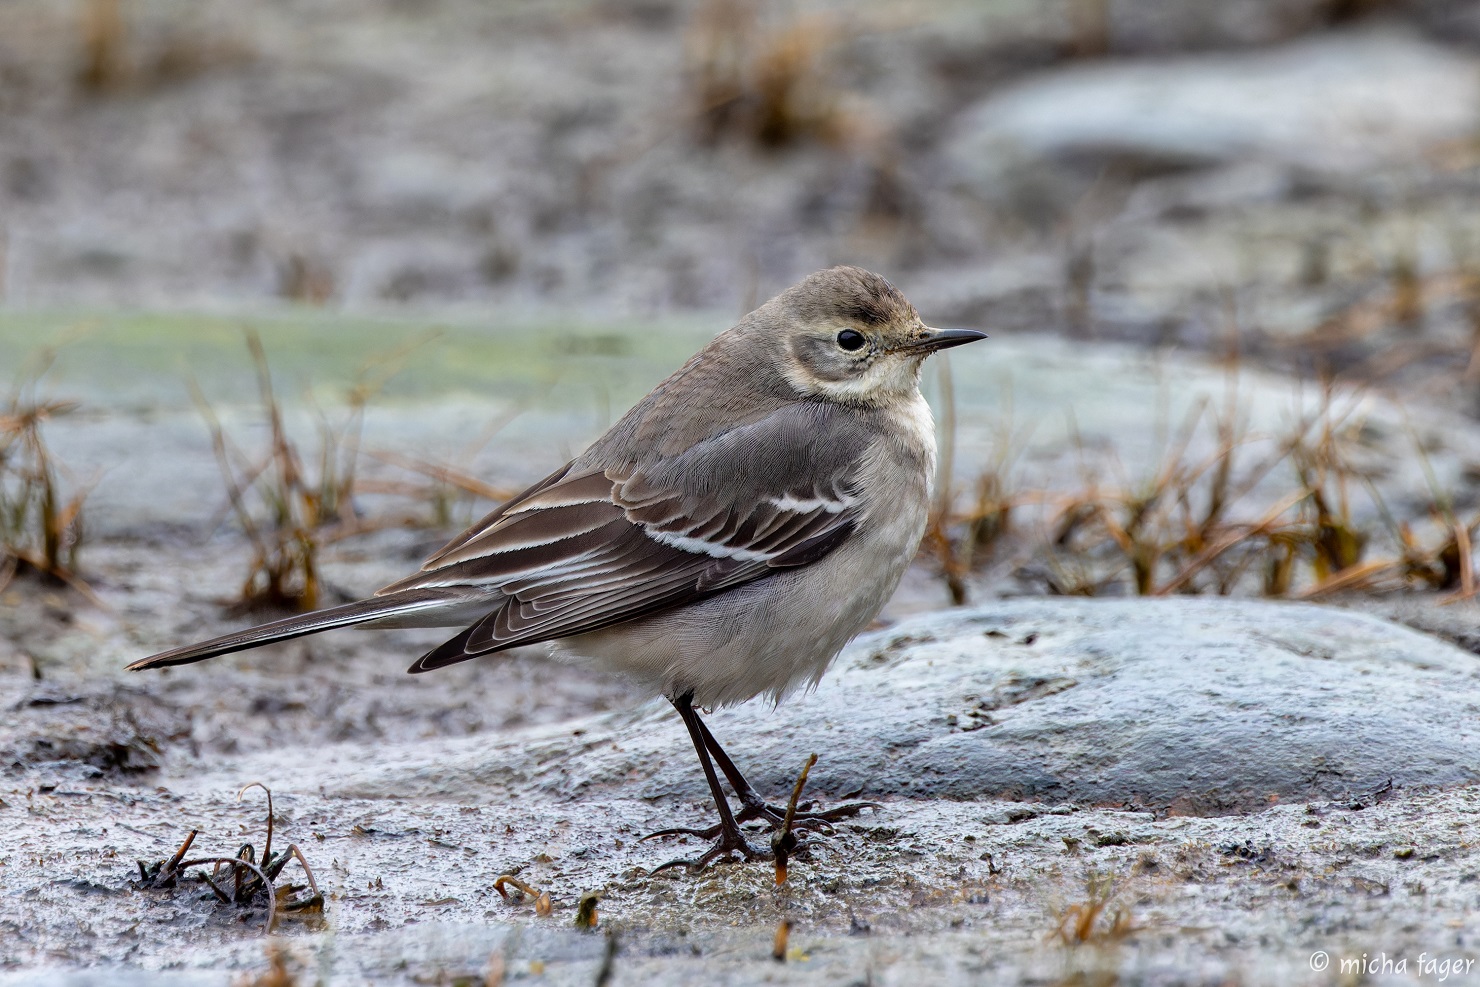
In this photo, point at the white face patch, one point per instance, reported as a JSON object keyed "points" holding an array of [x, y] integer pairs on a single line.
{"points": [[889, 377]]}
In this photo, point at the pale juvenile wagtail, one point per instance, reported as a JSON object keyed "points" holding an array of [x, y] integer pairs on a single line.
{"points": [[725, 539]]}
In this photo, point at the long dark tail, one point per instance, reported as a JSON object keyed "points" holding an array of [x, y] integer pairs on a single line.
{"points": [[358, 612]]}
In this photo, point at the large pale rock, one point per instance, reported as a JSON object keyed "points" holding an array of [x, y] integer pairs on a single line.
{"points": [[1193, 706], [1341, 102]]}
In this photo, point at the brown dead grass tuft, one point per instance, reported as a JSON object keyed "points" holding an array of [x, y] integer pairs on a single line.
{"points": [[1093, 920], [119, 49], [277, 973], [41, 526], [1293, 515], [765, 83], [1089, 28], [306, 279], [104, 65], [115, 55], [287, 511], [242, 880], [1386, 331]]}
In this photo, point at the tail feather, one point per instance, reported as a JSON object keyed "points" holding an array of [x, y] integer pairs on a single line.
{"points": [[360, 612]]}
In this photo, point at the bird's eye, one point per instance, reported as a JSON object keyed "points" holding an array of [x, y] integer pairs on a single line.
{"points": [[850, 340]]}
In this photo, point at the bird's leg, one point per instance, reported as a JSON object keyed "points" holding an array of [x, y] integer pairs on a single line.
{"points": [[755, 807], [730, 838]]}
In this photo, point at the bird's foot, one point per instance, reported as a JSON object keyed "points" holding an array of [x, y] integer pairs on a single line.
{"points": [[727, 843], [783, 824], [774, 817], [754, 807], [708, 833]]}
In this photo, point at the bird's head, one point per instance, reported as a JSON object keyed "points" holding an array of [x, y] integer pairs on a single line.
{"points": [[847, 335]]}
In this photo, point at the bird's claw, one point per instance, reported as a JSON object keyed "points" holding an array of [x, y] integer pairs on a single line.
{"points": [[702, 834], [720, 849]]}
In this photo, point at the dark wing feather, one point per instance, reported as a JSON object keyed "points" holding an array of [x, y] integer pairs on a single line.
{"points": [[592, 547], [493, 517], [447, 653]]}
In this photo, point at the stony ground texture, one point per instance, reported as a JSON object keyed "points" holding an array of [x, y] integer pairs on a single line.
{"points": [[1340, 846]]}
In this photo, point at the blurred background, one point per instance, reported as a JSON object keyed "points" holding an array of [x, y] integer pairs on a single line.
{"points": [[1228, 253], [1296, 175]]}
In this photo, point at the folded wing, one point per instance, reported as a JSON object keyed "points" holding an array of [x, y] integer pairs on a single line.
{"points": [[599, 544]]}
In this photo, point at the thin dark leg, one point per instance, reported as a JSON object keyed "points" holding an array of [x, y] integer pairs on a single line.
{"points": [[752, 805], [730, 838], [685, 707], [755, 807], [743, 791]]}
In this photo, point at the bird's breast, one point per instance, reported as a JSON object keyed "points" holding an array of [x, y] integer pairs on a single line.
{"points": [[901, 462]]}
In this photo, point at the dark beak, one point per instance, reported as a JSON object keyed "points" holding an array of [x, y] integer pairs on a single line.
{"points": [[942, 339]]}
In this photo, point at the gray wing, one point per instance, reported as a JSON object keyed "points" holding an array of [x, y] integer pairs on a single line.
{"points": [[588, 548]]}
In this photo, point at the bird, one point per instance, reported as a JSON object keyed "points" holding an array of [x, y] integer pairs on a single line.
{"points": [[722, 541]]}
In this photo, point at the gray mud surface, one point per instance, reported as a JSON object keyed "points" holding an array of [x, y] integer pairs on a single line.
{"points": [[1014, 751]]}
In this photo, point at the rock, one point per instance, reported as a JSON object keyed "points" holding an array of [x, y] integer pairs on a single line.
{"points": [[1183, 706], [1343, 102]]}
